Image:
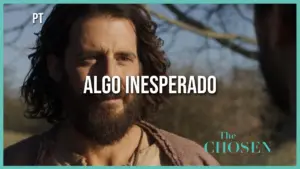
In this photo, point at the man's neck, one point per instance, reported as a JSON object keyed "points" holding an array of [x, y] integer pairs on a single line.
{"points": [[116, 154]]}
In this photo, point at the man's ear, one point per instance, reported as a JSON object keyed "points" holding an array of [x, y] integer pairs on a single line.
{"points": [[54, 68]]}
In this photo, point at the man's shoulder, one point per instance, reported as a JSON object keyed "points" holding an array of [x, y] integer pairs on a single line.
{"points": [[190, 152], [23, 152], [180, 140], [181, 150]]}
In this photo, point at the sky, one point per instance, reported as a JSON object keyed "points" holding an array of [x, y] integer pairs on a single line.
{"points": [[183, 51]]}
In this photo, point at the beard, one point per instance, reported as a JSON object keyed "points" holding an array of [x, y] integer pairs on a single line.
{"points": [[104, 124]]}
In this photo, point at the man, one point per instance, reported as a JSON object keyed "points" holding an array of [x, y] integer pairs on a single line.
{"points": [[97, 40], [275, 27]]}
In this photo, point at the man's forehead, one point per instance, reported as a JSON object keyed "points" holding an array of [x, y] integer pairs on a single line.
{"points": [[81, 24], [86, 32]]}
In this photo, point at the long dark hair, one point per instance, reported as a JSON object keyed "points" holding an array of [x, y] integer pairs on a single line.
{"points": [[39, 90]]}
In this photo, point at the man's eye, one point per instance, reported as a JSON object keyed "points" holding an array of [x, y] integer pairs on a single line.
{"points": [[124, 57], [88, 60]]}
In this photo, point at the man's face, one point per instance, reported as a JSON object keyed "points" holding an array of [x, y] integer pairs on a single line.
{"points": [[100, 46]]}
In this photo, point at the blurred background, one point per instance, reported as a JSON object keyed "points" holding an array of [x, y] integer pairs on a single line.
{"points": [[199, 40]]}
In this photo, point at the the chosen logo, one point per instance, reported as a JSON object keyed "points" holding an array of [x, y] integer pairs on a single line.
{"points": [[229, 145]]}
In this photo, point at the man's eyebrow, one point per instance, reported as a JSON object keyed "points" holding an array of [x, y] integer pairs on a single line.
{"points": [[128, 53], [84, 52]]}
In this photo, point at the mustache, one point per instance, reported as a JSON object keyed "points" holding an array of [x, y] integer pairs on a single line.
{"points": [[107, 96]]}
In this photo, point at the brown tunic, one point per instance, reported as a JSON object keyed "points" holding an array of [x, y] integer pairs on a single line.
{"points": [[167, 149]]}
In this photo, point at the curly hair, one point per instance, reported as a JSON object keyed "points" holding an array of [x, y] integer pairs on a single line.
{"points": [[39, 90]]}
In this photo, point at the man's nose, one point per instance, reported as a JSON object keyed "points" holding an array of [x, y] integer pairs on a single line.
{"points": [[106, 66], [110, 67]]}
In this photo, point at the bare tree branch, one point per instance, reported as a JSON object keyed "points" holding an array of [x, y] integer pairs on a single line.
{"points": [[183, 22], [222, 23], [190, 24], [13, 9], [164, 27], [203, 31], [214, 10], [239, 11], [19, 29], [191, 8], [174, 35]]}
